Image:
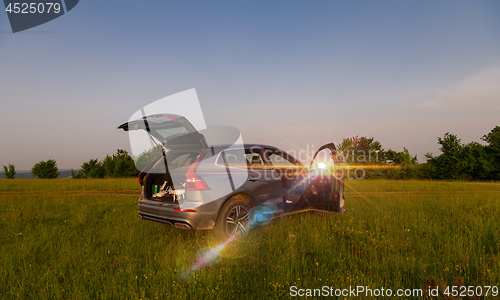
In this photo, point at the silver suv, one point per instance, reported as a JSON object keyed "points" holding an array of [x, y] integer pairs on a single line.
{"points": [[191, 184]]}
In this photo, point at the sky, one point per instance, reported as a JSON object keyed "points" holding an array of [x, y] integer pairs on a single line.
{"points": [[292, 74]]}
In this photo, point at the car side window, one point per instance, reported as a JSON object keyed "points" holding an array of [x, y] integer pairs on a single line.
{"points": [[232, 158], [280, 160], [253, 158]]}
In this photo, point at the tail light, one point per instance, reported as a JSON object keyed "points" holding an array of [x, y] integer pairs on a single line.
{"points": [[140, 179], [185, 210], [193, 180]]}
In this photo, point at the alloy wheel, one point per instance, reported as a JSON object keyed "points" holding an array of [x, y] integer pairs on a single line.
{"points": [[236, 219]]}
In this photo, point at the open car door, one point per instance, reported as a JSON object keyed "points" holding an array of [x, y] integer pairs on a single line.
{"points": [[326, 185], [293, 176]]}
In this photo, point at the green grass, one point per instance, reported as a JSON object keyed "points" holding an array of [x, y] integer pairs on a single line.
{"points": [[79, 239]]}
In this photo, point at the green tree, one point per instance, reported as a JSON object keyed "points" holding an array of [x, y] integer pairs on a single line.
{"points": [[476, 164], [448, 164], [493, 152], [9, 172], [45, 169], [76, 175], [360, 150], [91, 169], [400, 158], [119, 165], [470, 161]]}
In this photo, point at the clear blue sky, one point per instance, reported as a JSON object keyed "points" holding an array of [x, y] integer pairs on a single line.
{"points": [[286, 73]]}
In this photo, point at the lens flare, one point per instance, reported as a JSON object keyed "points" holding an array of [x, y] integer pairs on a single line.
{"points": [[258, 216]]}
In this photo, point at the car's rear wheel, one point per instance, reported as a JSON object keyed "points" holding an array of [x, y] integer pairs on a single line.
{"points": [[233, 218]]}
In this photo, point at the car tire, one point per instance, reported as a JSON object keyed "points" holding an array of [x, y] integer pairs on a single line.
{"points": [[233, 217]]}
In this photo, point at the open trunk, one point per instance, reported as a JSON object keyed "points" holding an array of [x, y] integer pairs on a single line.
{"points": [[167, 184], [159, 187], [167, 146]]}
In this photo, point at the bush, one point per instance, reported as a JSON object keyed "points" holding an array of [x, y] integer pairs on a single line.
{"points": [[416, 171], [119, 165], [46, 169], [471, 161], [492, 150], [9, 172], [91, 169]]}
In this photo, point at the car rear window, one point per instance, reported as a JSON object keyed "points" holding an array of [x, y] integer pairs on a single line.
{"points": [[168, 132]]}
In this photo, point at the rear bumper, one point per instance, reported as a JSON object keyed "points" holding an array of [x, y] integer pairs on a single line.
{"points": [[204, 217]]}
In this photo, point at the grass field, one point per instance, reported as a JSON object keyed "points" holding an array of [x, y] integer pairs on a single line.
{"points": [[82, 239]]}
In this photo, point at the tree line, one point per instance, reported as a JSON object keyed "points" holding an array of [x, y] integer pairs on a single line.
{"points": [[466, 161], [117, 165], [472, 161]]}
